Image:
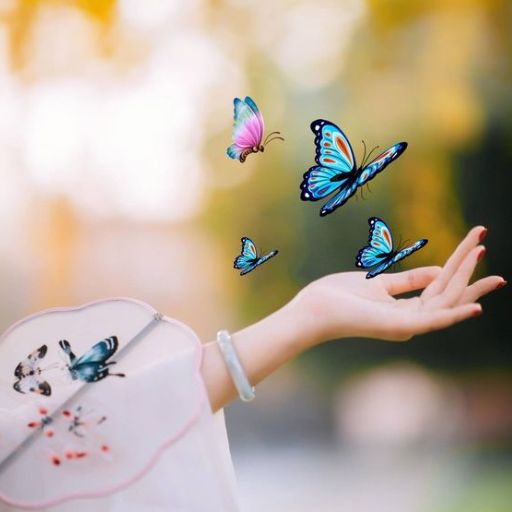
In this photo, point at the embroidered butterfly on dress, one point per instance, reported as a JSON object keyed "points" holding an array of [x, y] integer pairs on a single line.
{"points": [[248, 128], [249, 258], [337, 170], [43, 423], [380, 253], [80, 422], [76, 447], [93, 365], [28, 372]]}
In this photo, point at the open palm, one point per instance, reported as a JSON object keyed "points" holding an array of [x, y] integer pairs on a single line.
{"points": [[348, 304]]}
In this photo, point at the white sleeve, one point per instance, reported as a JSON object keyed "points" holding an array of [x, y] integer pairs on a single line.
{"points": [[134, 436]]}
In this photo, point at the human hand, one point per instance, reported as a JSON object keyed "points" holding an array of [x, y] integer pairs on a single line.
{"points": [[349, 305]]}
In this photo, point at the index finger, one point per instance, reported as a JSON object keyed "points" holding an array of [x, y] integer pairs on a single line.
{"points": [[472, 239]]}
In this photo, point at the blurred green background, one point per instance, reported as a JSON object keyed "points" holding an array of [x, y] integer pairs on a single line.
{"points": [[115, 120]]}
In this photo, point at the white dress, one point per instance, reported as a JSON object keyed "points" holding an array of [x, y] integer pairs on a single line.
{"points": [[102, 408]]}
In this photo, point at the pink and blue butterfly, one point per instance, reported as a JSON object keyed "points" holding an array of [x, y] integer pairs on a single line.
{"points": [[249, 258], [248, 128], [337, 170], [380, 253]]}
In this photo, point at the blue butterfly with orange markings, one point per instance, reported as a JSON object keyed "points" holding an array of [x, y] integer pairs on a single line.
{"points": [[93, 365], [249, 259], [380, 253], [336, 168]]}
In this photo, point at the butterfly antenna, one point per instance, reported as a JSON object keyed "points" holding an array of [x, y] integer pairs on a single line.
{"points": [[268, 136], [371, 151], [51, 367], [274, 138], [362, 195], [364, 154]]}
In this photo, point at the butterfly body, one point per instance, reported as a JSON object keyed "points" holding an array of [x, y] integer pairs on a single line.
{"points": [[248, 129], [249, 258], [380, 254], [246, 152], [93, 365], [336, 169], [27, 373]]}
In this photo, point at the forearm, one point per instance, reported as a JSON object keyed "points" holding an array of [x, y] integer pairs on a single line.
{"points": [[349, 305], [262, 348]]}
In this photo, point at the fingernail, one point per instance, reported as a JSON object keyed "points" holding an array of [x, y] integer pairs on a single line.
{"points": [[483, 234], [481, 254], [501, 285], [477, 312]]}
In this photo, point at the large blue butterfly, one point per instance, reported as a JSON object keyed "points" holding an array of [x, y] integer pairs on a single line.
{"points": [[93, 365], [249, 258], [380, 253], [336, 167]]}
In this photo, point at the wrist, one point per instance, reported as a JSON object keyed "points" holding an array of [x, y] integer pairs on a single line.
{"points": [[320, 319], [306, 315]]}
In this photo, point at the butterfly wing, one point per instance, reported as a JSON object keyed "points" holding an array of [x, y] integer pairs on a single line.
{"points": [[347, 191], [319, 182], [248, 127], [333, 149], [381, 162], [32, 384], [66, 348], [335, 167], [380, 268], [407, 251], [31, 363], [234, 151], [99, 353], [380, 235], [90, 372], [248, 256], [259, 261]]}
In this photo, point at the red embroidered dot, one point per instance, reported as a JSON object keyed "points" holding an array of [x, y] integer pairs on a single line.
{"points": [[70, 455], [66, 413], [50, 433], [80, 455], [43, 410], [105, 448], [55, 460], [33, 424]]}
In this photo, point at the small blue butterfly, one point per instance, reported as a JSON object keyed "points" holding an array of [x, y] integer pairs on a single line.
{"points": [[249, 258], [336, 168], [93, 365], [380, 253]]}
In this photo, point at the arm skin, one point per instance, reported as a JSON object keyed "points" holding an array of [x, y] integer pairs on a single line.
{"points": [[349, 305]]}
